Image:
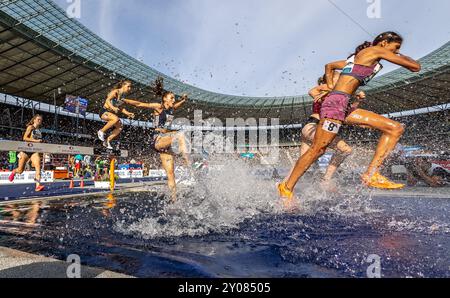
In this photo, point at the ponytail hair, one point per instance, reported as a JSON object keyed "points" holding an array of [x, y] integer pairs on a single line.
{"points": [[388, 36], [322, 80], [365, 45], [158, 88], [31, 122]]}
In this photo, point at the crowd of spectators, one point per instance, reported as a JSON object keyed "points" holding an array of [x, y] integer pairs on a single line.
{"points": [[428, 130]]}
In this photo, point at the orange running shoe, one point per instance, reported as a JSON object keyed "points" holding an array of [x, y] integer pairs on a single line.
{"points": [[39, 188], [286, 195], [284, 192], [379, 181]]}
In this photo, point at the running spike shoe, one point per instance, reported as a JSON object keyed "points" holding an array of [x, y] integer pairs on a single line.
{"points": [[39, 188], [381, 182]]}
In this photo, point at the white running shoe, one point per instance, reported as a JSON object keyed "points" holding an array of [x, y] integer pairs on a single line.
{"points": [[107, 145], [101, 135]]}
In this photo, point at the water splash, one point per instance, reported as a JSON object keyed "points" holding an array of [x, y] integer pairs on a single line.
{"points": [[231, 193], [220, 200]]}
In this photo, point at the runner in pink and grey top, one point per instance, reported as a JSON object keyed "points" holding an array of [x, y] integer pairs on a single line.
{"points": [[337, 104]]}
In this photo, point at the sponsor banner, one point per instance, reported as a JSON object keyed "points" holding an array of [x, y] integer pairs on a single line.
{"points": [[6, 145], [157, 174], [130, 166], [102, 185], [26, 177], [125, 174]]}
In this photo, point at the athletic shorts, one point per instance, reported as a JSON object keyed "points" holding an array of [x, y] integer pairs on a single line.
{"points": [[336, 106], [103, 111], [154, 135], [29, 154]]}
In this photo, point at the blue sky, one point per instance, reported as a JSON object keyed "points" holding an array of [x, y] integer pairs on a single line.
{"points": [[258, 47]]}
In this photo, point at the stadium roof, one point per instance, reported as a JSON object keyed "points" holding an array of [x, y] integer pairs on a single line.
{"points": [[42, 49]]}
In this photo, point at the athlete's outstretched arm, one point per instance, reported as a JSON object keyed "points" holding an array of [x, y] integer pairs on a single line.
{"points": [[144, 105], [399, 59], [127, 113], [329, 71], [319, 92], [184, 98]]}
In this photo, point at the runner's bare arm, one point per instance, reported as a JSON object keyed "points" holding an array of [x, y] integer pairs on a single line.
{"points": [[319, 92], [127, 113], [399, 59], [138, 104], [184, 98], [329, 71]]}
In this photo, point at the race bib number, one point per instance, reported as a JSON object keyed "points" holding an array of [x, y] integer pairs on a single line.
{"points": [[331, 127]]}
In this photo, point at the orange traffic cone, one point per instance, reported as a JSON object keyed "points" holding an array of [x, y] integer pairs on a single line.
{"points": [[82, 183], [71, 184]]}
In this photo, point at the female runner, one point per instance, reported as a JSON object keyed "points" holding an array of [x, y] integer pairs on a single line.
{"points": [[32, 134], [336, 111], [163, 136]]}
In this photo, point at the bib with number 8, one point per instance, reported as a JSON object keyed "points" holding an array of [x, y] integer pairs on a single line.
{"points": [[331, 127]]}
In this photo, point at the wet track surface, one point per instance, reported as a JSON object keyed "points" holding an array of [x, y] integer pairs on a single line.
{"points": [[59, 188], [141, 235]]}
